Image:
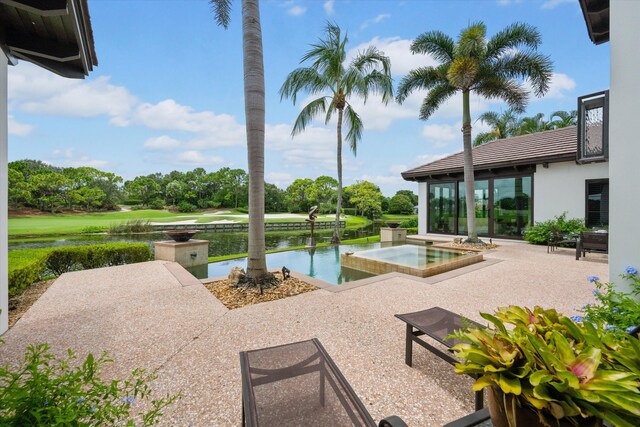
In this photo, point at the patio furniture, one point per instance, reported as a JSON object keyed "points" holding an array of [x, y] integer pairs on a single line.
{"points": [[558, 238], [592, 241], [436, 323], [480, 418], [298, 384]]}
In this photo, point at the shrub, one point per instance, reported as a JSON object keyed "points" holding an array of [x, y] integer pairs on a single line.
{"points": [[69, 258], [185, 206], [349, 211], [26, 266], [131, 202], [46, 391], [400, 204], [410, 223], [243, 209], [156, 204], [327, 208], [131, 226], [614, 309], [540, 233]]}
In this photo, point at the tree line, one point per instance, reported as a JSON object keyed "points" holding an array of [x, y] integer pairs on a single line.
{"points": [[38, 185]]}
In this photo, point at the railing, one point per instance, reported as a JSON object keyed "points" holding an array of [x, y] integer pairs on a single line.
{"points": [[244, 226]]}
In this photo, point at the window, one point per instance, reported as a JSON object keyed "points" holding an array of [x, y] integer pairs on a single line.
{"points": [[593, 127], [442, 208], [597, 203]]}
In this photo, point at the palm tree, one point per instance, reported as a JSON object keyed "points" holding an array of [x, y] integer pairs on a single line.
{"points": [[502, 126], [368, 72], [257, 273], [533, 124], [491, 68], [563, 119]]}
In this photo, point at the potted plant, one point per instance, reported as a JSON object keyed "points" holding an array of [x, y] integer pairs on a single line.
{"points": [[544, 369]]}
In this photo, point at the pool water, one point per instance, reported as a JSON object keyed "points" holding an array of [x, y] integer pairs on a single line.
{"points": [[410, 255], [320, 263]]}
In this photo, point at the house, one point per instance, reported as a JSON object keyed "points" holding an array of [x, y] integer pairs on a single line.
{"points": [[57, 36], [522, 180]]}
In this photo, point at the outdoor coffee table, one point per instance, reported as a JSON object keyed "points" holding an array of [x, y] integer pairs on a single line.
{"points": [[436, 323], [297, 385]]}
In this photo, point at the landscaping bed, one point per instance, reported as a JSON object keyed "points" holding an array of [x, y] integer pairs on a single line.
{"points": [[233, 297]]}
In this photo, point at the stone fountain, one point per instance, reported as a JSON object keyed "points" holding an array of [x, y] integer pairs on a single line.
{"points": [[182, 248]]}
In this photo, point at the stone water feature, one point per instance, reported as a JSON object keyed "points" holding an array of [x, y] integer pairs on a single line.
{"points": [[182, 249]]}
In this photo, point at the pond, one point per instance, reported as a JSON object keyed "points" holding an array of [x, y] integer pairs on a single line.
{"points": [[219, 243]]}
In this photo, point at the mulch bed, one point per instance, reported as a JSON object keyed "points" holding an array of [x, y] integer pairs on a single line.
{"points": [[233, 297], [19, 305]]}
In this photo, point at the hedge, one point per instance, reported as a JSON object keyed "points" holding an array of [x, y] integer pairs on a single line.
{"points": [[27, 266]]}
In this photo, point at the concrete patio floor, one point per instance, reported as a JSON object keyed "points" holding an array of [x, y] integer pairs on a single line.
{"points": [[156, 316]]}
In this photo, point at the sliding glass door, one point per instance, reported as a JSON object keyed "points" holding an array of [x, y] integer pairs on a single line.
{"points": [[481, 204], [442, 208], [511, 206]]}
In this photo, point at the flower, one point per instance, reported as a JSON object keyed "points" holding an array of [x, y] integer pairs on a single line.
{"points": [[630, 329], [576, 318], [610, 327], [631, 270], [593, 279], [129, 400], [80, 400], [596, 292]]}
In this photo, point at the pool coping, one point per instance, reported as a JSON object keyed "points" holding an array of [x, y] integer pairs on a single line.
{"points": [[321, 284]]}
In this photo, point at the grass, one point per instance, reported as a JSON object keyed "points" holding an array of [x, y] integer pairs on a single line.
{"points": [[52, 225], [371, 239]]}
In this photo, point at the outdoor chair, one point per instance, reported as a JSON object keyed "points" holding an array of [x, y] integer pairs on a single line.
{"points": [[298, 384], [592, 241], [437, 323], [558, 238]]}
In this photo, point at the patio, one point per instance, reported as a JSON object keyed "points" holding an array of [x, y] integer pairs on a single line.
{"points": [[156, 316]]}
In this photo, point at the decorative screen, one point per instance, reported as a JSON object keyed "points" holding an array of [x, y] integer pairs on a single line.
{"points": [[592, 127], [593, 141]]}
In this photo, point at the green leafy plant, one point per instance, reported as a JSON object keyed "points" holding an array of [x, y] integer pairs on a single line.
{"points": [[557, 368], [26, 266], [410, 223], [540, 232], [185, 206], [46, 390], [68, 258], [615, 310], [93, 229], [131, 226]]}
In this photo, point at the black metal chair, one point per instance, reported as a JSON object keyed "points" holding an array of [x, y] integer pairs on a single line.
{"points": [[558, 238], [592, 241]]}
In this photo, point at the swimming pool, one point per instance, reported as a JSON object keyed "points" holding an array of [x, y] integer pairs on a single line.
{"points": [[321, 263]]}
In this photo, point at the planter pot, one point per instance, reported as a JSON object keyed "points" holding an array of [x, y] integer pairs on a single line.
{"points": [[501, 405], [181, 235]]}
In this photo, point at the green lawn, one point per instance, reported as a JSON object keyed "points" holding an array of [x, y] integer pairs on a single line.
{"points": [[78, 223]]}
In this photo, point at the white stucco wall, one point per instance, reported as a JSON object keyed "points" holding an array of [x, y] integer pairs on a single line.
{"points": [[422, 208], [4, 135], [624, 147], [561, 187]]}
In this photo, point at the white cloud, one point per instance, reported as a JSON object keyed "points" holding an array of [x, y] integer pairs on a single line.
{"points": [[560, 83], [423, 159], [197, 158], [552, 4], [328, 7], [280, 179], [37, 91], [69, 158], [296, 10], [18, 129], [441, 135], [508, 2], [398, 169], [399, 52], [163, 142], [378, 19]]}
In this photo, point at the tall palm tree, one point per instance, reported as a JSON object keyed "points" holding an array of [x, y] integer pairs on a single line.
{"points": [[491, 68], [255, 123], [563, 119], [502, 126], [533, 124], [369, 72]]}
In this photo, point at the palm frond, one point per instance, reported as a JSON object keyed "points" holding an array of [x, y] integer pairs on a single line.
{"points": [[330, 111], [472, 41], [435, 43], [308, 113], [353, 122], [510, 91], [490, 117], [512, 37], [371, 59], [561, 119], [436, 96], [381, 83], [303, 79], [222, 12], [535, 67], [423, 78], [329, 53], [484, 137]]}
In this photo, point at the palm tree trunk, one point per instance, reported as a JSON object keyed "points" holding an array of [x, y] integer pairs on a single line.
{"points": [[472, 233], [335, 240], [255, 119]]}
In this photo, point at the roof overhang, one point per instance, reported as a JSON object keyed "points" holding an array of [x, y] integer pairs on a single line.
{"points": [[596, 16], [53, 34]]}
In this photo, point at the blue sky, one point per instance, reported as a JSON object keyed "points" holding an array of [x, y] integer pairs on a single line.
{"points": [[168, 95]]}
